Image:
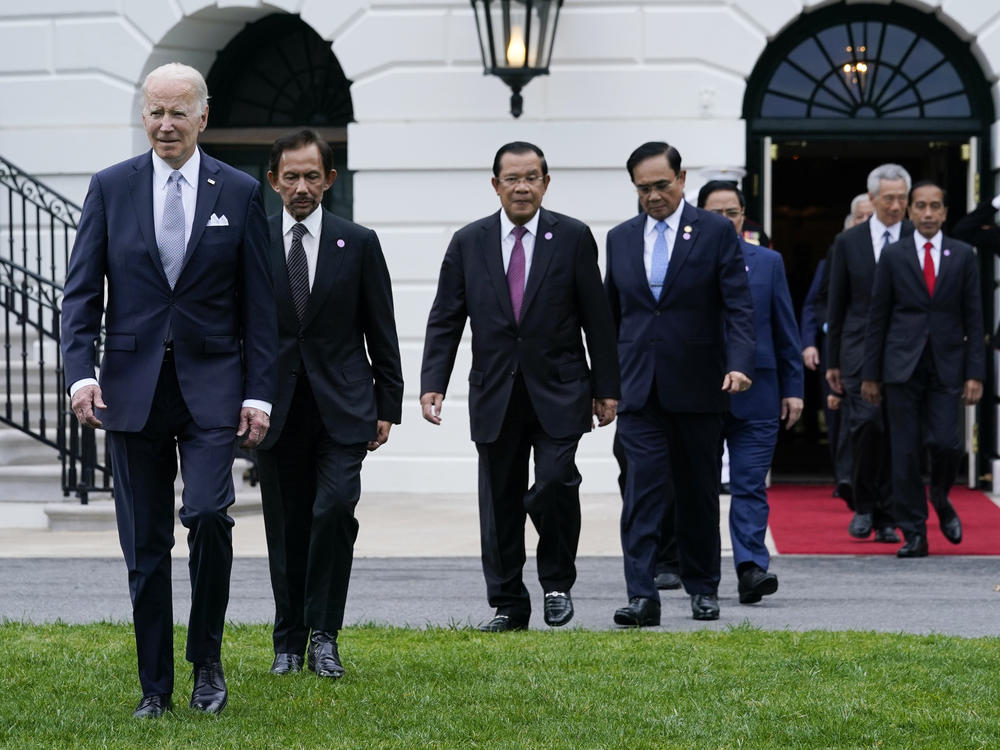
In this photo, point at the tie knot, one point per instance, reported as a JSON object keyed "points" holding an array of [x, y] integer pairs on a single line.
{"points": [[519, 232], [175, 178], [661, 226], [298, 230], [928, 246]]}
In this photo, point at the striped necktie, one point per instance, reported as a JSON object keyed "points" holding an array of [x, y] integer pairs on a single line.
{"points": [[298, 271]]}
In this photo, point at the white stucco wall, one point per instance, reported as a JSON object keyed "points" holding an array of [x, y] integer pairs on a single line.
{"points": [[428, 123]]}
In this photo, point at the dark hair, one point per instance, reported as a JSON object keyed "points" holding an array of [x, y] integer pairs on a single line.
{"points": [[654, 148], [716, 186], [518, 147], [929, 183], [299, 139]]}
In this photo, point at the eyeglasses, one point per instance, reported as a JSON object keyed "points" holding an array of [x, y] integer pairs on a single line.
{"points": [[729, 213], [660, 187], [512, 180]]}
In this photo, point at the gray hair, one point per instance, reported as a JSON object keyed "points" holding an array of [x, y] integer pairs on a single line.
{"points": [[181, 72], [849, 220], [860, 197], [887, 172]]}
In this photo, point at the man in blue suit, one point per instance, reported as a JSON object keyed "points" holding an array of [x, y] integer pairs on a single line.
{"points": [[751, 427], [179, 241], [924, 341], [677, 284]]}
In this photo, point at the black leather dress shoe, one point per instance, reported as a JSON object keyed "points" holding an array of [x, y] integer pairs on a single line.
{"points": [[641, 612], [916, 546], [755, 584], [153, 706], [951, 525], [887, 534], [504, 623], [706, 606], [285, 663], [667, 580], [209, 693], [324, 658], [558, 608], [860, 526]]}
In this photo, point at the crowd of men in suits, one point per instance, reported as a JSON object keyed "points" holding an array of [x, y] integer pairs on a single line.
{"points": [[222, 324]]}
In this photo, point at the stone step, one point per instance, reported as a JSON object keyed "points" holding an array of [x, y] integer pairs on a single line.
{"points": [[36, 378], [20, 449]]}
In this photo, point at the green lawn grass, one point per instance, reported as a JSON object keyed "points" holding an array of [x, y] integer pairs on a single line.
{"points": [[64, 686]]}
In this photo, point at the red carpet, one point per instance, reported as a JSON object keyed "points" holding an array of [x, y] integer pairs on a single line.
{"points": [[806, 520]]}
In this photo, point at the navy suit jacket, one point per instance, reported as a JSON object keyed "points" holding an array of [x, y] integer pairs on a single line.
{"points": [[562, 296], [348, 319], [778, 360], [220, 312], [904, 317], [701, 327]]}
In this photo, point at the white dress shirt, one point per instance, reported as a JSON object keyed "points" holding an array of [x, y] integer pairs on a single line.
{"points": [[649, 236], [878, 229], [527, 241], [310, 240], [189, 191], [919, 240]]}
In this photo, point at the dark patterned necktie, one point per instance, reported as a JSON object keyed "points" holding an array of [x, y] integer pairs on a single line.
{"points": [[515, 273], [298, 271]]}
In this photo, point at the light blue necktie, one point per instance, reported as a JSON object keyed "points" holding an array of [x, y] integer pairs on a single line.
{"points": [[172, 230], [658, 264]]}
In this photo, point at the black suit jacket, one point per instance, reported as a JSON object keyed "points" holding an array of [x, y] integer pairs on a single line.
{"points": [[904, 317], [851, 264], [350, 310], [701, 327], [562, 296]]}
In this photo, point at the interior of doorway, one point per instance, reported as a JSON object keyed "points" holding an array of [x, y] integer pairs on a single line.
{"points": [[812, 184]]}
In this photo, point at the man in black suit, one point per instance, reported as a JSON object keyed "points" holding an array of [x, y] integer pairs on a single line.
{"points": [[924, 341], [527, 280], [677, 284], [170, 255], [851, 263], [334, 303]]}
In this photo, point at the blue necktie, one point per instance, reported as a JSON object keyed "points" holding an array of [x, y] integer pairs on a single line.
{"points": [[886, 238], [658, 265], [172, 230]]}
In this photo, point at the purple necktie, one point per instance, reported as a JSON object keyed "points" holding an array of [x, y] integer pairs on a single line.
{"points": [[515, 273]]}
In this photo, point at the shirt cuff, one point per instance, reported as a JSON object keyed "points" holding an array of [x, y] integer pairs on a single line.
{"points": [[253, 403], [82, 382]]}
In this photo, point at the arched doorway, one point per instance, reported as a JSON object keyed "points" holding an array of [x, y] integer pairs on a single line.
{"points": [[276, 75], [841, 90]]}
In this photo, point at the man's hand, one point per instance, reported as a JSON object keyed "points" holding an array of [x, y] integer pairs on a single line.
{"points": [[871, 392], [735, 382], [89, 397], [810, 357], [832, 401], [791, 409], [381, 434], [972, 392], [833, 380], [605, 410], [254, 423], [430, 406]]}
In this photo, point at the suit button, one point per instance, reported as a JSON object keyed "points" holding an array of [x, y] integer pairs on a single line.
{"points": [[294, 373], [513, 373], [656, 313], [520, 339]]}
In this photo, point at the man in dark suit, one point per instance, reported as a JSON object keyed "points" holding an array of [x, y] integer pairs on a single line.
{"points": [[851, 263], [180, 241], [528, 282], [334, 300], [677, 284], [924, 341]]}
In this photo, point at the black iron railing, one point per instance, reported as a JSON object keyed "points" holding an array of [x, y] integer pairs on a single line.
{"points": [[37, 228]]}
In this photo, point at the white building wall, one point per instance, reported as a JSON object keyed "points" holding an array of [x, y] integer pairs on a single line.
{"points": [[427, 125]]}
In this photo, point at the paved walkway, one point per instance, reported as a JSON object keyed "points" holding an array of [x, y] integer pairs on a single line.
{"points": [[417, 565]]}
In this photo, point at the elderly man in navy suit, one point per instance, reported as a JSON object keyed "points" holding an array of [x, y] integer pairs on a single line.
{"points": [[677, 284], [751, 427], [924, 342], [180, 242], [340, 390], [527, 280]]}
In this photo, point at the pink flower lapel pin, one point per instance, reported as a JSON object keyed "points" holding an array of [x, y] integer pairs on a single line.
{"points": [[548, 235], [341, 243], [947, 252]]}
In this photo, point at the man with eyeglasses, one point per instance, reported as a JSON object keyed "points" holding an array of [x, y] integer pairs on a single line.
{"points": [[677, 284], [527, 280]]}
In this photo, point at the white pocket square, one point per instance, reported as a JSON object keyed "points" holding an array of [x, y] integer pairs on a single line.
{"points": [[217, 221]]}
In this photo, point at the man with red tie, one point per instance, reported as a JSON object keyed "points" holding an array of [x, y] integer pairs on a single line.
{"points": [[528, 282], [924, 341]]}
